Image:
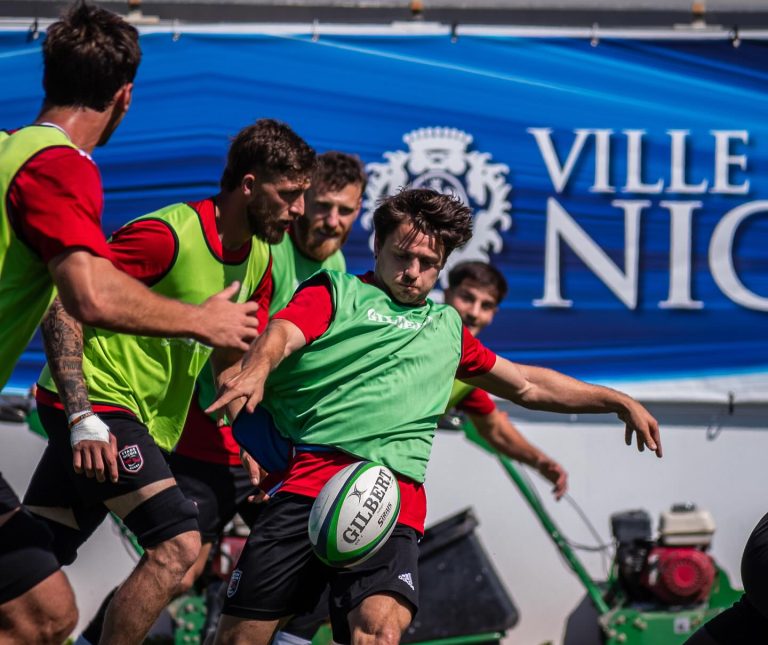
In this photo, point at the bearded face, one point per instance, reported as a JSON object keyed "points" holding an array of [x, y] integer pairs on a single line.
{"points": [[273, 206], [328, 221]]}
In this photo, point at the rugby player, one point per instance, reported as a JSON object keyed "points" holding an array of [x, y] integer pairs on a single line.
{"points": [[376, 361], [206, 461], [51, 238], [475, 290], [141, 387]]}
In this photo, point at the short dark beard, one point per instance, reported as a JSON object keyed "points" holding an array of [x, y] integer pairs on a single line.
{"points": [[263, 224]]}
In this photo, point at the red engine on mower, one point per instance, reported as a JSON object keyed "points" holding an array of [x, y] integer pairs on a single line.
{"points": [[678, 575], [673, 570]]}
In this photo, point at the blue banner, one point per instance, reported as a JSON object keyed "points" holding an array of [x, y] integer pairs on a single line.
{"points": [[621, 188]]}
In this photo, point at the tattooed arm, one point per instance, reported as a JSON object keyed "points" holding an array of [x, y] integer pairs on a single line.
{"points": [[63, 341], [94, 447]]}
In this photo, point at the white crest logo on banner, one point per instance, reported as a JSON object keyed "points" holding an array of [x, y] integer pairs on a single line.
{"points": [[439, 158]]}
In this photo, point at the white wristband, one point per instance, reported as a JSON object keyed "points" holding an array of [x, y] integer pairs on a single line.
{"points": [[91, 428]]}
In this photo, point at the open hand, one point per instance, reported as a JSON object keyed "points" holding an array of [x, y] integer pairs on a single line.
{"points": [[640, 422]]}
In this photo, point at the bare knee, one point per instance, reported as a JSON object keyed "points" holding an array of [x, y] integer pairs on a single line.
{"points": [[45, 614], [380, 620], [58, 622], [376, 634], [195, 571], [175, 555]]}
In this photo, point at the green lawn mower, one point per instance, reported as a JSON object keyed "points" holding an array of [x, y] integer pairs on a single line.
{"points": [[659, 590]]}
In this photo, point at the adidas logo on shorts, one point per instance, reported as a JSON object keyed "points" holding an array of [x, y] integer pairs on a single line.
{"points": [[407, 579]]}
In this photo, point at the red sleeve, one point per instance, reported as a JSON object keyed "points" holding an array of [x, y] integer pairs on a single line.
{"points": [[477, 402], [263, 296], [311, 308], [56, 202], [476, 358], [145, 249]]}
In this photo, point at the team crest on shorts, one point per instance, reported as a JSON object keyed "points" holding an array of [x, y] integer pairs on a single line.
{"points": [[234, 582], [440, 159], [131, 459]]}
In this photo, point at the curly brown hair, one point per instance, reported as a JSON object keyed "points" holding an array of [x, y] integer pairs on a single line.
{"points": [[270, 149], [336, 170], [88, 55], [444, 216]]}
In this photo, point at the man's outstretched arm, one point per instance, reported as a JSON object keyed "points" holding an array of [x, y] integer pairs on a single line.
{"points": [[539, 388], [246, 388], [98, 294]]}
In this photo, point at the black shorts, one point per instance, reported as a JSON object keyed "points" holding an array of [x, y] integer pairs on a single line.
{"points": [[26, 558], [746, 623], [278, 574], [140, 462], [219, 491]]}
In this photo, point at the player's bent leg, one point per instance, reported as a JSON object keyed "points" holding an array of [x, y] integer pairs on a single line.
{"points": [[166, 527], [375, 601], [200, 482], [380, 619], [92, 633], [239, 631], [45, 614], [37, 604], [150, 587]]}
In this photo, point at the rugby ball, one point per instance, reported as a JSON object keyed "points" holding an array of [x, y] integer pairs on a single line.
{"points": [[354, 514]]}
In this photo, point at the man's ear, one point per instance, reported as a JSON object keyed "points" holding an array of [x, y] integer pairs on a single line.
{"points": [[376, 246], [247, 183], [123, 96]]}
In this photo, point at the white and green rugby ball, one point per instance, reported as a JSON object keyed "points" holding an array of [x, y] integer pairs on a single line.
{"points": [[354, 514]]}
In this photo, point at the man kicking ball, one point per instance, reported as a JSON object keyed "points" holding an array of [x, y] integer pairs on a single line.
{"points": [[361, 367]]}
